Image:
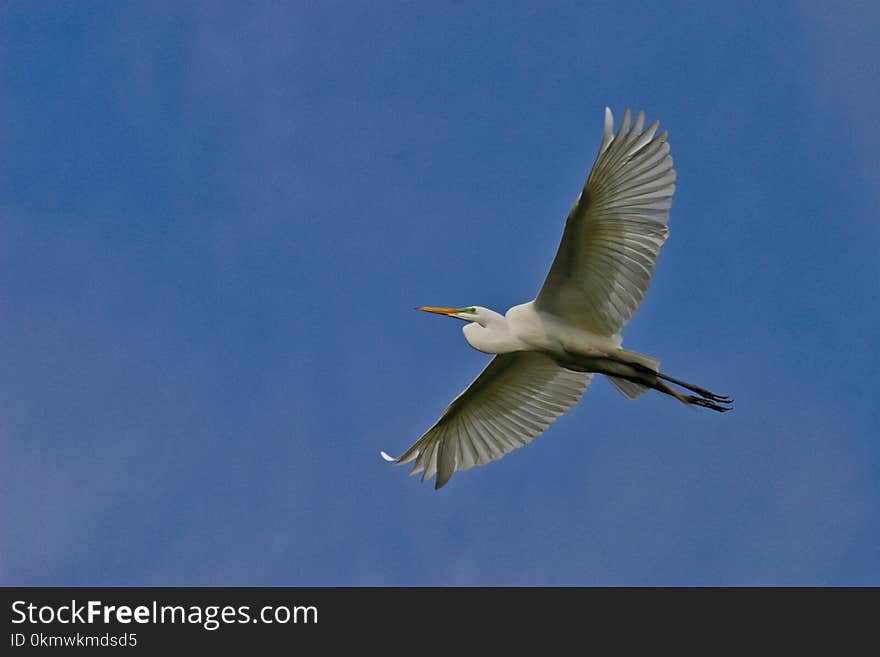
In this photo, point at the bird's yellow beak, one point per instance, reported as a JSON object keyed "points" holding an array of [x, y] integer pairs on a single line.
{"points": [[439, 311]]}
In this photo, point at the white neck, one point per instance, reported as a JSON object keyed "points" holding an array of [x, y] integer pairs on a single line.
{"points": [[491, 334]]}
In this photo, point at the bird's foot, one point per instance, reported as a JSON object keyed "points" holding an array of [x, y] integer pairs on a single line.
{"points": [[711, 395], [706, 403]]}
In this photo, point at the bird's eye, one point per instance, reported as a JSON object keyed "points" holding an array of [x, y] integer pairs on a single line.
{"points": [[472, 310]]}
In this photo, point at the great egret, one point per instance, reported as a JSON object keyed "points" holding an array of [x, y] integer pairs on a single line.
{"points": [[548, 349]]}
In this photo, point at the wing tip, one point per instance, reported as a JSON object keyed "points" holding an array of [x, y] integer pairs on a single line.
{"points": [[389, 459], [608, 131]]}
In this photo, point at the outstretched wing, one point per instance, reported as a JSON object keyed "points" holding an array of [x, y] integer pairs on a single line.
{"points": [[511, 403], [614, 231]]}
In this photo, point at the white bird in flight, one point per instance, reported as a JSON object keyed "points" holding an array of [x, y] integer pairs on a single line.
{"points": [[548, 349]]}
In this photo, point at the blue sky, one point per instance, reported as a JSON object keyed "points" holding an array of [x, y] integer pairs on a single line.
{"points": [[216, 219]]}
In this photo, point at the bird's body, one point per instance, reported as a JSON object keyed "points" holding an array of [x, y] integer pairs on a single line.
{"points": [[526, 328], [547, 350]]}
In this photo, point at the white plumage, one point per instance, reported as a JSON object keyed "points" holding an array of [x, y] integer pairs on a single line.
{"points": [[548, 349], [510, 403], [614, 231]]}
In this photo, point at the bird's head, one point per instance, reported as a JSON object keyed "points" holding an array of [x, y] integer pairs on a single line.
{"points": [[485, 330], [468, 313]]}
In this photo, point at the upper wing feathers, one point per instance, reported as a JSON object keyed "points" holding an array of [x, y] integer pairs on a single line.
{"points": [[614, 231], [507, 406]]}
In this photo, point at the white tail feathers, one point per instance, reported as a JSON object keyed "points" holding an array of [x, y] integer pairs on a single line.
{"points": [[636, 357], [628, 389]]}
